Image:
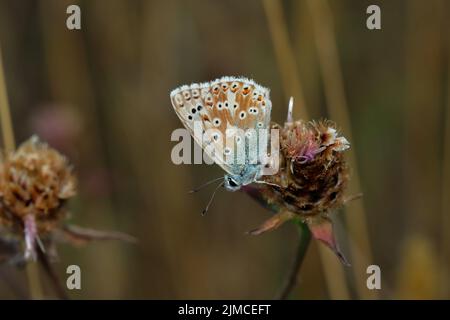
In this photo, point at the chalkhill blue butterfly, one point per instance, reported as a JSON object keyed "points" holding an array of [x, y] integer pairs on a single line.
{"points": [[231, 114]]}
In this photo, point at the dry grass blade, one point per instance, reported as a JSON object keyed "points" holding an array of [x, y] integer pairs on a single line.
{"points": [[445, 290], [285, 55], [338, 111], [7, 131], [9, 145], [333, 269], [53, 276], [79, 235]]}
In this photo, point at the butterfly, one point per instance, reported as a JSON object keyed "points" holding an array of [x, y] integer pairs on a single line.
{"points": [[235, 109]]}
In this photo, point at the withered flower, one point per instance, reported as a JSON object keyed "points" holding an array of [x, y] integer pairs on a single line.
{"points": [[311, 181], [315, 173], [35, 182]]}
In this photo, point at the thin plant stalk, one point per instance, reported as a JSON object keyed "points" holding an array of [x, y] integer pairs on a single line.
{"points": [[333, 270], [422, 117], [335, 276], [285, 55], [5, 115], [445, 290], [303, 244], [32, 269], [52, 275], [338, 110]]}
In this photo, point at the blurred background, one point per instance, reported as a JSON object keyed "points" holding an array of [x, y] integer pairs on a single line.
{"points": [[100, 95]]}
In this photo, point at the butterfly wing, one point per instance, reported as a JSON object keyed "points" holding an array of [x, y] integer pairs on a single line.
{"points": [[228, 106]]}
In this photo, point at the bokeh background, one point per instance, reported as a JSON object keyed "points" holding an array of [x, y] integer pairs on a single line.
{"points": [[101, 96]]}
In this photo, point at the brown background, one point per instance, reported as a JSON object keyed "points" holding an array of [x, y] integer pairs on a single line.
{"points": [[100, 95]]}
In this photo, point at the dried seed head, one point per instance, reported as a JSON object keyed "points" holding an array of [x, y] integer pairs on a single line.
{"points": [[315, 173], [310, 183], [35, 181]]}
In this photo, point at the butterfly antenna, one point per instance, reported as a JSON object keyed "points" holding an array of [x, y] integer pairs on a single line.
{"points": [[205, 185], [290, 110], [212, 198]]}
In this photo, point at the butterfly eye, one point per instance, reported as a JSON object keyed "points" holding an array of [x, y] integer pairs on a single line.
{"points": [[235, 106], [199, 107], [245, 90], [193, 110], [190, 117], [227, 151], [232, 183], [234, 87], [216, 89], [224, 87], [260, 124], [226, 104], [219, 106], [242, 115]]}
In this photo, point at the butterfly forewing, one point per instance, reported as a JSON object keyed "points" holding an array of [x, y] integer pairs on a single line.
{"points": [[225, 110]]}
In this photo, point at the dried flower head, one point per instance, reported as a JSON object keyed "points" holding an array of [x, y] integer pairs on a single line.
{"points": [[315, 173], [35, 182], [311, 181]]}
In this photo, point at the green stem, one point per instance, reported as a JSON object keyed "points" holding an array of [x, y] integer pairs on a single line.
{"points": [[303, 244]]}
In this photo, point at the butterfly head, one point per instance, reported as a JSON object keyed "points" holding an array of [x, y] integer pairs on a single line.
{"points": [[232, 182]]}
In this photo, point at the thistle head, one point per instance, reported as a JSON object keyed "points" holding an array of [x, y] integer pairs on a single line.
{"points": [[311, 181], [35, 182]]}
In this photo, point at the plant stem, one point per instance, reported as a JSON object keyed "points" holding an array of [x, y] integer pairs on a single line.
{"points": [[5, 115], [303, 244], [53, 276], [445, 289], [32, 270], [34, 282]]}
